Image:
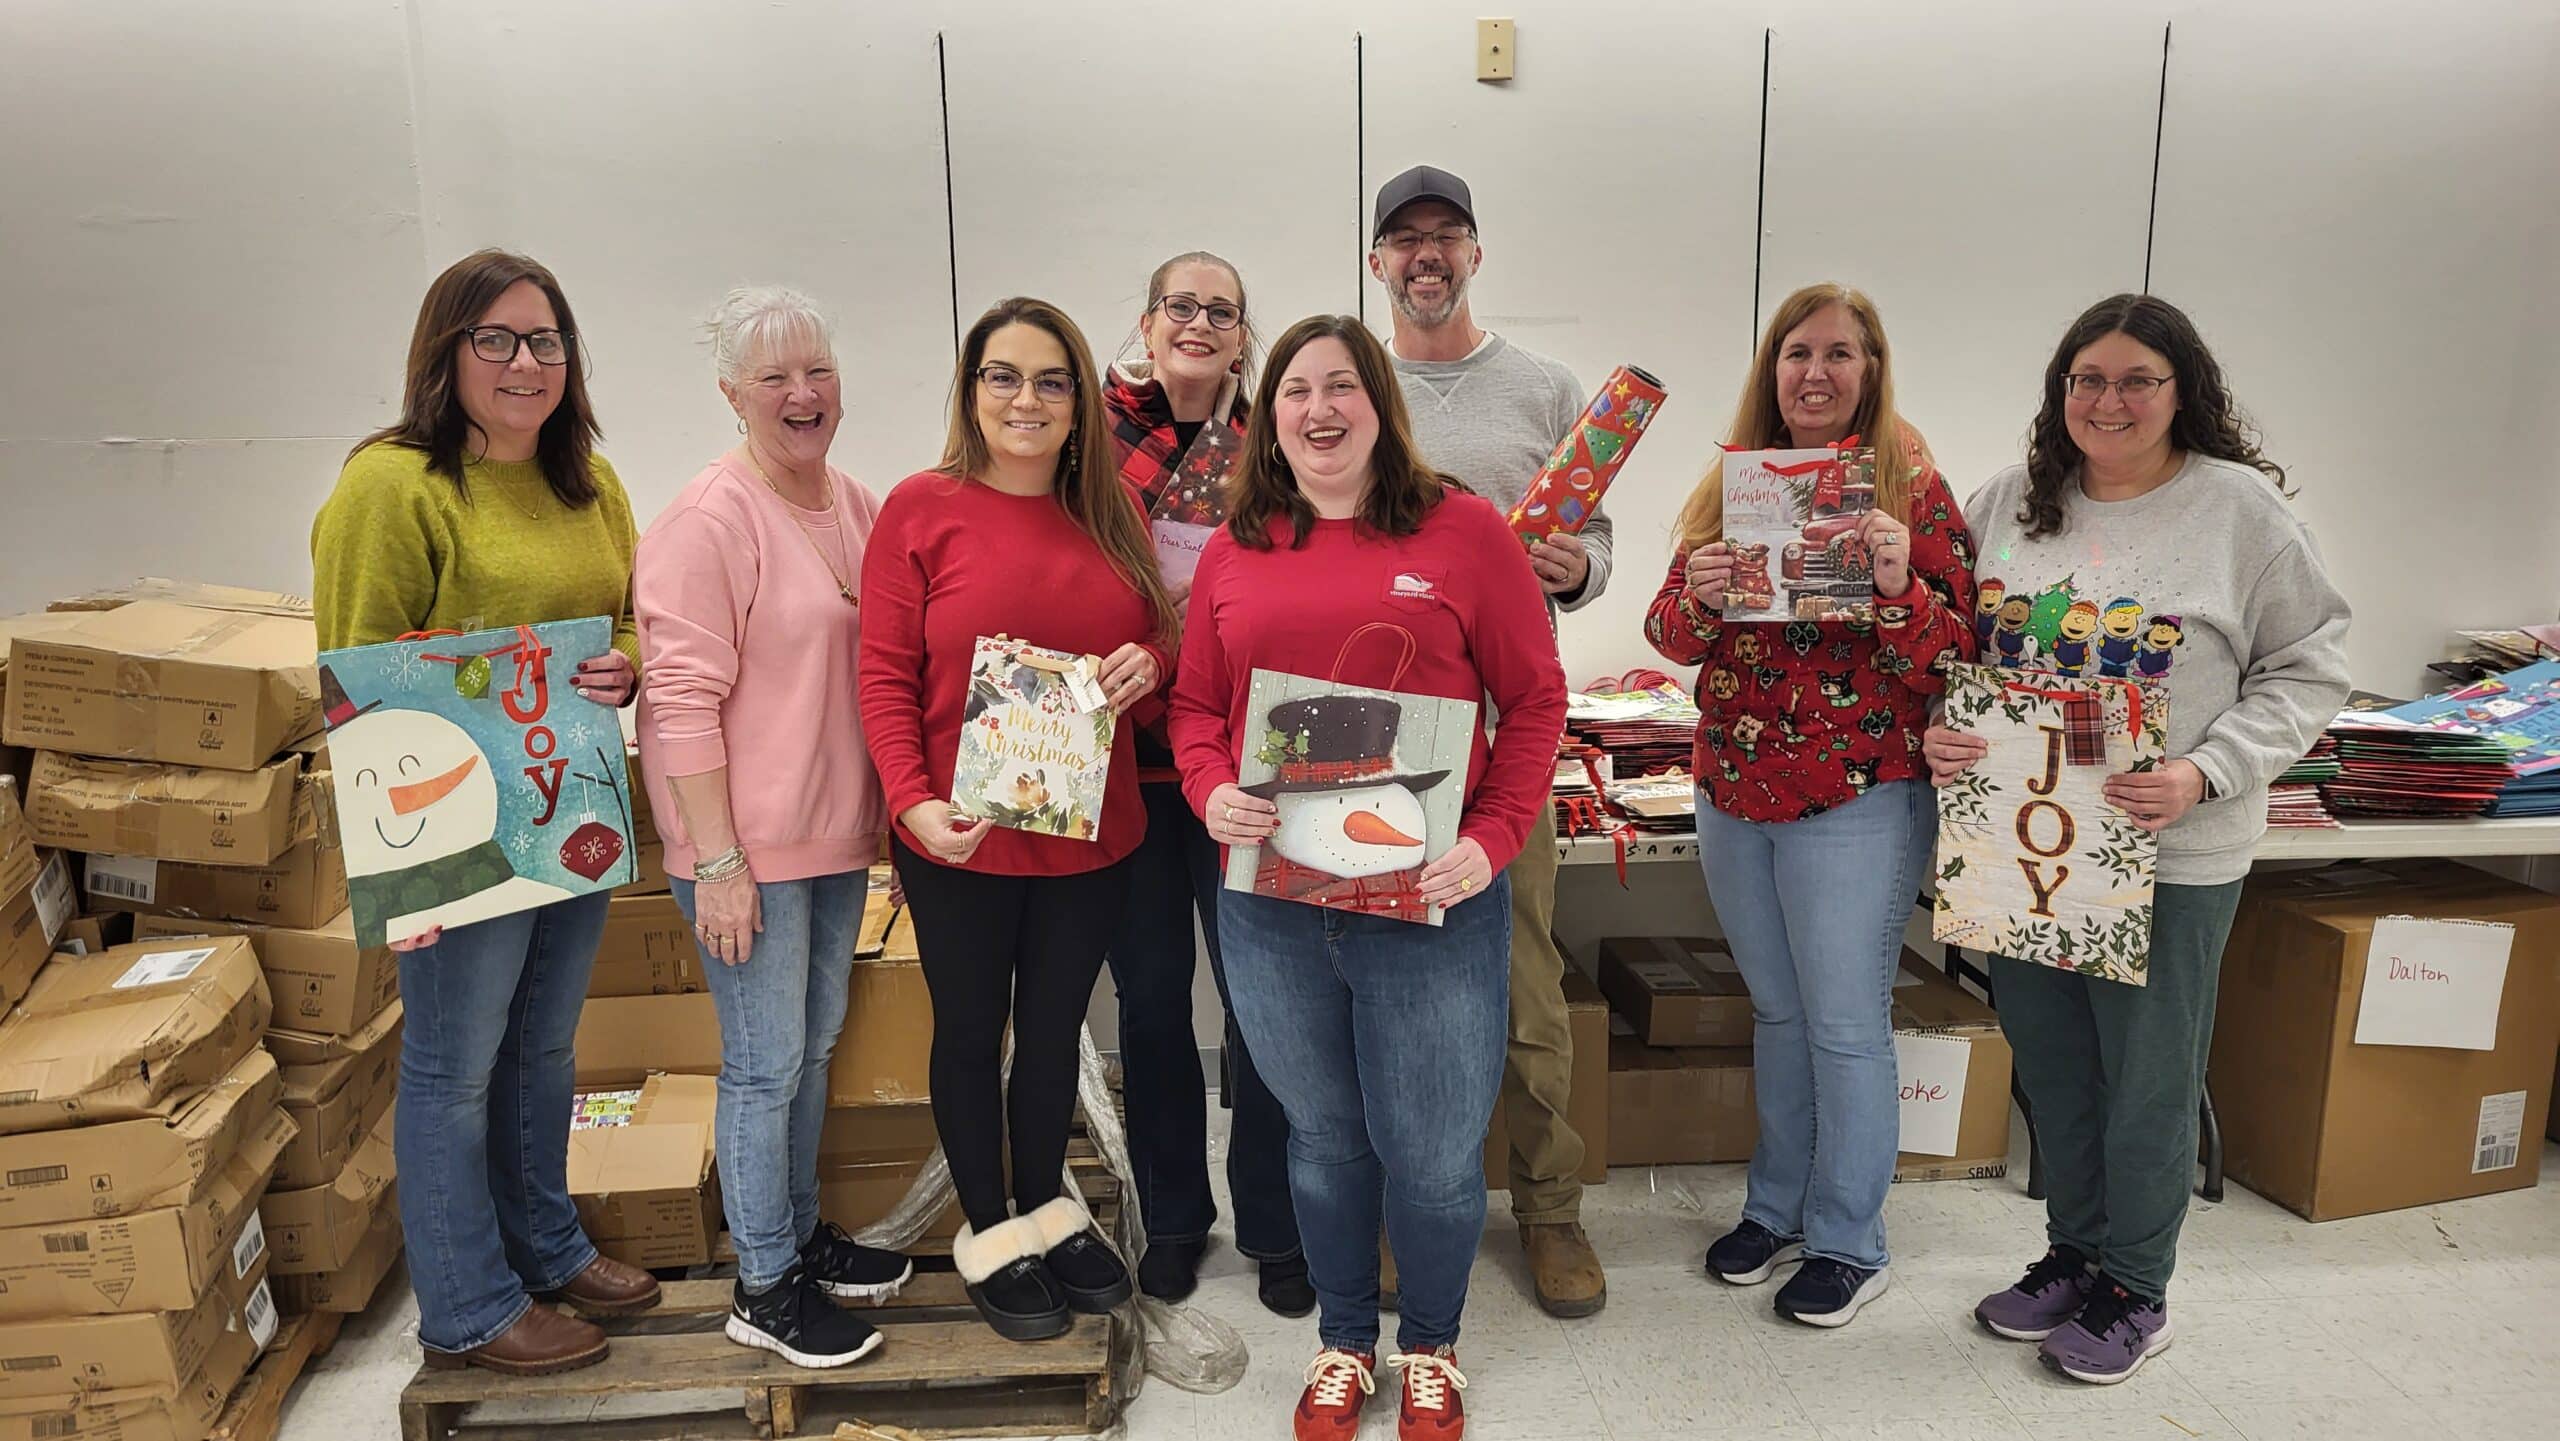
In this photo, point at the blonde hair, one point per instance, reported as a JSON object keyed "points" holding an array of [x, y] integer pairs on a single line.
{"points": [[1757, 425]]}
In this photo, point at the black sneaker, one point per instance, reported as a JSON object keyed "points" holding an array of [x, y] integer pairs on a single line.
{"points": [[1171, 1269], [1285, 1289], [850, 1271], [1824, 1292], [1089, 1272], [1749, 1253], [795, 1322]]}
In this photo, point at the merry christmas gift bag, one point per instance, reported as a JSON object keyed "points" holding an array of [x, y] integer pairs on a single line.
{"points": [[1369, 783], [472, 780], [2032, 862], [1792, 518], [1035, 740]]}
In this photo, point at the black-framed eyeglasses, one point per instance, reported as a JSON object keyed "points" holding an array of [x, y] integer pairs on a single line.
{"points": [[1182, 310], [1405, 242], [2134, 389], [498, 345], [1004, 383]]}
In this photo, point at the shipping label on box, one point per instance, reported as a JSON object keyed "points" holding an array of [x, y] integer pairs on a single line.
{"points": [[106, 1037], [324, 984], [303, 888], [171, 812], [161, 682], [222, 1332], [117, 1167]]}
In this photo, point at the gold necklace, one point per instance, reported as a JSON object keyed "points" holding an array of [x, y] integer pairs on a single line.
{"points": [[843, 587]]}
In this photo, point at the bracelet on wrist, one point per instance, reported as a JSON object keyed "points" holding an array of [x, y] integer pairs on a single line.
{"points": [[729, 863]]}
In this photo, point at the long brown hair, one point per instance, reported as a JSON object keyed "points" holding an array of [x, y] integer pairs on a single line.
{"points": [[1402, 490], [1757, 424], [2208, 422], [431, 414], [1088, 485]]}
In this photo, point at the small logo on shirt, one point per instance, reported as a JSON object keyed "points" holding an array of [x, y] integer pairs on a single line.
{"points": [[1409, 586]]}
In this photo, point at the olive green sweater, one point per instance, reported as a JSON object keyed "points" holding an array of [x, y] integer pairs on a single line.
{"points": [[396, 549]]}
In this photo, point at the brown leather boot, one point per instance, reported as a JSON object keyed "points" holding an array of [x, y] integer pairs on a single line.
{"points": [[1565, 1269], [608, 1288], [542, 1343]]}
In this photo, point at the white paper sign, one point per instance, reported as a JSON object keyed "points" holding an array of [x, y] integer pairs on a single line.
{"points": [[1178, 548], [161, 966], [1932, 1070], [2433, 983]]}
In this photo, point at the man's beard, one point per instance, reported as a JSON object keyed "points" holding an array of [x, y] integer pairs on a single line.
{"points": [[1433, 317]]}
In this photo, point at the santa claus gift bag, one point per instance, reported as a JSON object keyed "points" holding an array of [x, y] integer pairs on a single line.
{"points": [[2032, 862], [472, 779], [1369, 785]]}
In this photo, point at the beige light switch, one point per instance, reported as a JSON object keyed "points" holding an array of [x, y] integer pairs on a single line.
{"points": [[1495, 54]]}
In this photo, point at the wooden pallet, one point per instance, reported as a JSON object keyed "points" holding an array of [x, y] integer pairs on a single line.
{"points": [[256, 1410], [940, 1372]]}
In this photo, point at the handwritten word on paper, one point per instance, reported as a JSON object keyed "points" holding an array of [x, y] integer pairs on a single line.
{"points": [[2433, 983], [1932, 1070]]}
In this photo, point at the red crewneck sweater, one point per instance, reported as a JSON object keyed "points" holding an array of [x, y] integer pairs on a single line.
{"points": [[949, 561], [1461, 584]]}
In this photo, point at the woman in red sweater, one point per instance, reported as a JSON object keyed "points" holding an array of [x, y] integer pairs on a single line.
{"points": [[1021, 530], [1383, 1038], [1813, 822]]}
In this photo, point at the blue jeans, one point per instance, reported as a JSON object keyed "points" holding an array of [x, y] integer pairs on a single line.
{"points": [[1814, 910], [1173, 874], [482, 1130], [780, 1013], [1384, 1041]]}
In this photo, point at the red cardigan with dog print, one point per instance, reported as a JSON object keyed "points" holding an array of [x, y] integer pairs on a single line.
{"points": [[1801, 716]]}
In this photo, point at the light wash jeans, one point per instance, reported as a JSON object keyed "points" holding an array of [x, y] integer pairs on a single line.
{"points": [[1384, 1041], [780, 1013], [481, 1133], [1814, 910]]}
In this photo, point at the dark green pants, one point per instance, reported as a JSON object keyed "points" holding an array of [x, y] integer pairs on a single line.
{"points": [[2114, 1073]]}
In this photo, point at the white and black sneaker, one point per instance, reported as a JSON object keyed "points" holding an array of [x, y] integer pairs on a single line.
{"points": [[795, 1322], [850, 1271]]}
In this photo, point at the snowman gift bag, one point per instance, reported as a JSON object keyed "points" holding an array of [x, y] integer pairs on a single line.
{"points": [[472, 780], [1369, 786]]}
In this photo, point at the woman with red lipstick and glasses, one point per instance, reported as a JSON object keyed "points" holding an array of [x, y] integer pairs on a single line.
{"points": [[486, 505], [1383, 1038], [1176, 421]]}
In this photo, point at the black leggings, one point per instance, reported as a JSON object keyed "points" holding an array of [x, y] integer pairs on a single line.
{"points": [[999, 949]]}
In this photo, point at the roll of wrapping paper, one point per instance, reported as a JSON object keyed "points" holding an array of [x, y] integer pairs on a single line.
{"points": [[1569, 486]]}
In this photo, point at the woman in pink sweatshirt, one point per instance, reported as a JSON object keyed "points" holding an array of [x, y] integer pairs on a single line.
{"points": [[751, 746]]}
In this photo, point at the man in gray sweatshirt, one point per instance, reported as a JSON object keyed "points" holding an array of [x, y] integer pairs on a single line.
{"points": [[1490, 413]]}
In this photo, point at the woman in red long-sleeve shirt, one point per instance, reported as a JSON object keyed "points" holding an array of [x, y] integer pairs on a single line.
{"points": [[1383, 1038], [1813, 822], [1021, 530]]}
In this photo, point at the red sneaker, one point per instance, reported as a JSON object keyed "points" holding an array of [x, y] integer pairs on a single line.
{"points": [[1338, 1383], [1432, 1410]]}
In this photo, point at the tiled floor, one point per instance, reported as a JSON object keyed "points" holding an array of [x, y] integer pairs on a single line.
{"points": [[2433, 1323]]}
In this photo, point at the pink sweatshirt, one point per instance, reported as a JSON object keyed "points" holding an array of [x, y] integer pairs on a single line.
{"points": [[744, 635]]}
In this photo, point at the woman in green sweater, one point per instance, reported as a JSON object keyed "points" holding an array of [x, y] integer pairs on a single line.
{"points": [[485, 505]]}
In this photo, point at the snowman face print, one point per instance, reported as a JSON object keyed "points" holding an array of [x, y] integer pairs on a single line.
{"points": [[414, 788], [1367, 831]]}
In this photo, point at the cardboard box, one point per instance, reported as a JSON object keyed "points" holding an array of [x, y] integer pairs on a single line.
{"points": [[220, 1335], [304, 888], [888, 933], [118, 1167], [324, 984], [869, 1157], [1928, 1003], [317, 1229], [34, 907], [1587, 1108], [160, 682], [883, 1055], [1678, 1105], [108, 1037], [337, 1102], [2326, 1127], [1684, 992], [643, 1190], [621, 1039], [350, 1288], [185, 592], [88, 935], [169, 812], [144, 1414], [648, 949], [157, 1260]]}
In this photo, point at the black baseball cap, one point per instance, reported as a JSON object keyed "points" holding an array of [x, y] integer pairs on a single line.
{"points": [[1422, 182]]}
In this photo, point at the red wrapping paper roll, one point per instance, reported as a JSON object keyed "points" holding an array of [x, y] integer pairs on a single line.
{"points": [[1569, 486]]}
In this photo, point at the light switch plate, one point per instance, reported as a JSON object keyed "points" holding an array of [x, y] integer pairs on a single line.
{"points": [[1496, 54]]}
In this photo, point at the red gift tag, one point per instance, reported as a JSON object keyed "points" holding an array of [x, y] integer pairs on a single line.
{"points": [[1827, 485], [591, 850]]}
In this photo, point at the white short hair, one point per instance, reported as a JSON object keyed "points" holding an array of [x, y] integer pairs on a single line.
{"points": [[755, 320]]}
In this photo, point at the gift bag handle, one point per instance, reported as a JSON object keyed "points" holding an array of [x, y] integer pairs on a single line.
{"points": [[1404, 659], [2133, 695]]}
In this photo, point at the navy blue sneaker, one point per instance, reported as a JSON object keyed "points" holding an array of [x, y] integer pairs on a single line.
{"points": [[1749, 1253], [1824, 1292]]}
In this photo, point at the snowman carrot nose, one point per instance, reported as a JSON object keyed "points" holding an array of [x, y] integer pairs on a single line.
{"points": [[425, 793], [1371, 829]]}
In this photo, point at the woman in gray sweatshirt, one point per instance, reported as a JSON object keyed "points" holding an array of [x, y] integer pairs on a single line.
{"points": [[2145, 537]]}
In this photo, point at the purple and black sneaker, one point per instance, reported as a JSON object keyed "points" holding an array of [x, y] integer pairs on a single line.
{"points": [[2110, 1338], [2052, 1292]]}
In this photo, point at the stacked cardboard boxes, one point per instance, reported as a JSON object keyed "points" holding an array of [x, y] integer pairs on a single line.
{"points": [[140, 1125], [879, 1128]]}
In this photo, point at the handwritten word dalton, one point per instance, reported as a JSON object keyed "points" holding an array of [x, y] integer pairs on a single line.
{"points": [[2404, 969]]}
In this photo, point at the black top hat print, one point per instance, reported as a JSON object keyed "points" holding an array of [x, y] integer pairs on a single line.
{"points": [[335, 708], [1350, 742]]}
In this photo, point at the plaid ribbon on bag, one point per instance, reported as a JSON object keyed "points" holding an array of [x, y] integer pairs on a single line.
{"points": [[2084, 721], [1397, 894]]}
